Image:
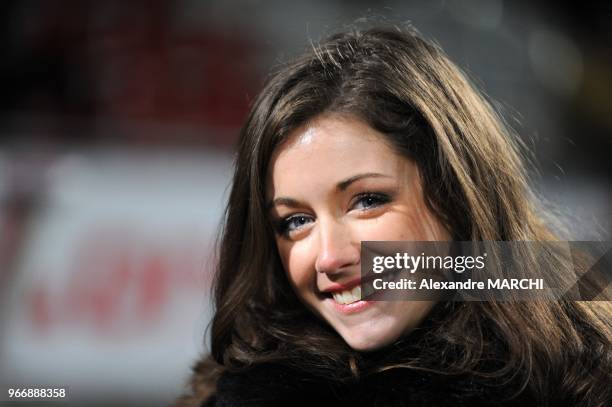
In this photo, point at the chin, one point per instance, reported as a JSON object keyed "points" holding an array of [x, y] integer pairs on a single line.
{"points": [[368, 339]]}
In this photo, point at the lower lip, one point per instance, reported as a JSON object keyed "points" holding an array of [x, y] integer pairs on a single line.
{"points": [[351, 308]]}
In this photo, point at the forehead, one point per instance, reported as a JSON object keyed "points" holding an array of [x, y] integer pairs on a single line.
{"points": [[329, 148]]}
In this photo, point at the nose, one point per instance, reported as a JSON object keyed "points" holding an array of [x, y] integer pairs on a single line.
{"points": [[337, 249]]}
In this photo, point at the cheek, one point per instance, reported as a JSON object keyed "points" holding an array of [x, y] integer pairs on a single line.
{"points": [[297, 260], [402, 225], [422, 226], [391, 226]]}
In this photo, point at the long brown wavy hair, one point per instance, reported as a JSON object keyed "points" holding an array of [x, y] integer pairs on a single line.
{"points": [[474, 181]]}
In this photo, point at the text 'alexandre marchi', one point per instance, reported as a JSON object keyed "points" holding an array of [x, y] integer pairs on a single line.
{"points": [[469, 284]]}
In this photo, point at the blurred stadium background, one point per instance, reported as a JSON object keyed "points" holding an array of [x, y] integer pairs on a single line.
{"points": [[118, 121]]}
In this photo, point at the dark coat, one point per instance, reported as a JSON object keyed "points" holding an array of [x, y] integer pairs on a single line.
{"points": [[276, 385]]}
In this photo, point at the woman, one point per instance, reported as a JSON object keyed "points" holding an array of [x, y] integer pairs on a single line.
{"points": [[376, 135]]}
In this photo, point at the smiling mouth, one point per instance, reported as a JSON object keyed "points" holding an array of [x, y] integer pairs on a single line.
{"points": [[347, 296]]}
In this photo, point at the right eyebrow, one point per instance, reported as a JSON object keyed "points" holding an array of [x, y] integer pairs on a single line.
{"points": [[292, 203]]}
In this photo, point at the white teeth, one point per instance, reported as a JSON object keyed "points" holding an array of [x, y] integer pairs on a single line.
{"points": [[348, 296]]}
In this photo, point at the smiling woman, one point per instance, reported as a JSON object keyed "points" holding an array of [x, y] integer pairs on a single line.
{"points": [[376, 135]]}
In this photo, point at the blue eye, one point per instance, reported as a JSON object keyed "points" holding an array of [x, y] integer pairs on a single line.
{"points": [[293, 223], [370, 200]]}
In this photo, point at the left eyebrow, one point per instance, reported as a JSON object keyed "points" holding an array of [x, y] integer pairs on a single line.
{"points": [[343, 185]]}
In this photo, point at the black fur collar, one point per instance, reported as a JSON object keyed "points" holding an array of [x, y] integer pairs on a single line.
{"points": [[277, 385]]}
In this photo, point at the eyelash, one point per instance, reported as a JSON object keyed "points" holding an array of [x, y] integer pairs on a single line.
{"points": [[282, 226]]}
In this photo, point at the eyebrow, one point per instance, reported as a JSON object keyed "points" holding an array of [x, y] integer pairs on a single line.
{"points": [[341, 186]]}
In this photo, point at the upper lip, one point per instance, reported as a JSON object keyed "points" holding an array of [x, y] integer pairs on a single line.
{"points": [[348, 285]]}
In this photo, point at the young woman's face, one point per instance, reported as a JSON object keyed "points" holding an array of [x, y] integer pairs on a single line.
{"points": [[334, 183]]}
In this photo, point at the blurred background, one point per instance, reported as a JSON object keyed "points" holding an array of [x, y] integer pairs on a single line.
{"points": [[118, 121]]}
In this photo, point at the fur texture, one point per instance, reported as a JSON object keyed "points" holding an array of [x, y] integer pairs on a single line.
{"points": [[278, 385]]}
